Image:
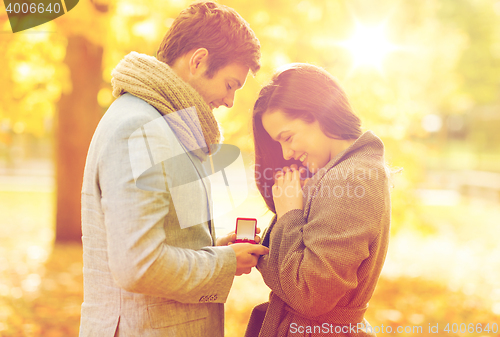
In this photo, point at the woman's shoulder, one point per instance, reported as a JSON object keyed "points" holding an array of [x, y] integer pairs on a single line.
{"points": [[361, 177], [364, 158], [360, 166]]}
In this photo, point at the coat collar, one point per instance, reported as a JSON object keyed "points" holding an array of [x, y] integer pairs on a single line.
{"points": [[368, 142]]}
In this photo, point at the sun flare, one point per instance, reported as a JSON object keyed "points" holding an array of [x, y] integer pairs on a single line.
{"points": [[369, 46]]}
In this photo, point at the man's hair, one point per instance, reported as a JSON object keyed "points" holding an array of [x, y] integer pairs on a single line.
{"points": [[218, 28]]}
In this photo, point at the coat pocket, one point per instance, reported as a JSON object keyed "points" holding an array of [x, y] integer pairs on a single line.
{"points": [[167, 314]]}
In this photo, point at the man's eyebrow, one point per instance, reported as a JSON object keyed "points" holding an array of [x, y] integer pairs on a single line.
{"points": [[237, 81]]}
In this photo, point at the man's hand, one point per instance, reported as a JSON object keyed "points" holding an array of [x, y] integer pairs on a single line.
{"points": [[230, 237], [247, 256]]}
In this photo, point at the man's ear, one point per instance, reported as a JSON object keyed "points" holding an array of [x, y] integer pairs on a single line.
{"points": [[198, 60]]}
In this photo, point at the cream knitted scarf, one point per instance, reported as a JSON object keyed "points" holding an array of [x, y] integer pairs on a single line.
{"points": [[156, 83]]}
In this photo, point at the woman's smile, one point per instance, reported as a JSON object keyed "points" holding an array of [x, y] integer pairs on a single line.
{"points": [[303, 157]]}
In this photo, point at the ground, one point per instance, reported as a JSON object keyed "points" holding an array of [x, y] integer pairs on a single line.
{"points": [[444, 276]]}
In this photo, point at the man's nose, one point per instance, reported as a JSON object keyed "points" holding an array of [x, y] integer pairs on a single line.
{"points": [[229, 100]]}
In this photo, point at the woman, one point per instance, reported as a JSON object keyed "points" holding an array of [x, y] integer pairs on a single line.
{"points": [[329, 238]]}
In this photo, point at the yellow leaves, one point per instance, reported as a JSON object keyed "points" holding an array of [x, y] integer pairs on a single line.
{"points": [[147, 29], [22, 72], [34, 80], [310, 10], [31, 73], [105, 97], [86, 21], [31, 283], [19, 127], [131, 8], [260, 18], [31, 114], [277, 32], [38, 297]]}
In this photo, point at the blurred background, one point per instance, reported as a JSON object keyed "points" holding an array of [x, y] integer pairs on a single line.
{"points": [[423, 75]]}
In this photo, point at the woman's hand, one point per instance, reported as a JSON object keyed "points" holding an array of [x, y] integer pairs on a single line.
{"points": [[287, 191]]}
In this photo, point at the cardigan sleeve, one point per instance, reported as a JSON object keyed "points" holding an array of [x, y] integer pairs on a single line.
{"points": [[314, 256]]}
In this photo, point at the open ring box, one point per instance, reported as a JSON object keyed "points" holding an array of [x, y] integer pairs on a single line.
{"points": [[245, 230]]}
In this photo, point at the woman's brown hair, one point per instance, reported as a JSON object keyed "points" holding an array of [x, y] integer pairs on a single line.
{"points": [[302, 91], [218, 28]]}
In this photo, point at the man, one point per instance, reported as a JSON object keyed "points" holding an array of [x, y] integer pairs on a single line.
{"points": [[150, 265]]}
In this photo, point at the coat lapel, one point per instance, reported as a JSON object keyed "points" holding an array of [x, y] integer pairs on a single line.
{"points": [[203, 176]]}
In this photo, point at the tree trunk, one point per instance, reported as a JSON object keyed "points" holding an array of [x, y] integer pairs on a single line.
{"points": [[77, 119]]}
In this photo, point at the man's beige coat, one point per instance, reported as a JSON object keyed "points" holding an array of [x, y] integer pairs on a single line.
{"points": [[143, 274]]}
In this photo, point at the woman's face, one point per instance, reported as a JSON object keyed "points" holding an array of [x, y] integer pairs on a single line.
{"points": [[299, 140]]}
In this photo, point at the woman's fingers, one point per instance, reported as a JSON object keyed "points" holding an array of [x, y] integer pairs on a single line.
{"points": [[278, 175], [276, 190], [296, 175], [291, 176], [287, 176], [287, 190]]}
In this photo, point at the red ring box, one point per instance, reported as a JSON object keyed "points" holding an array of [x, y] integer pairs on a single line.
{"points": [[246, 229]]}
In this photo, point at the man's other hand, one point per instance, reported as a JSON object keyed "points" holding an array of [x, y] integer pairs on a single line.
{"points": [[247, 256]]}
